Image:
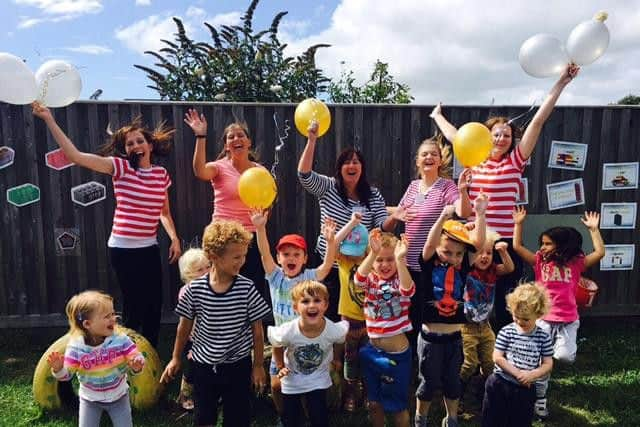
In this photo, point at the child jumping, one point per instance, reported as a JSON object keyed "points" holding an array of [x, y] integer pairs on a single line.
{"points": [[100, 357], [522, 355], [558, 265], [386, 359], [228, 309], [444, 267], [192, 264], [308, 344], [478, 339], [291, 256]]}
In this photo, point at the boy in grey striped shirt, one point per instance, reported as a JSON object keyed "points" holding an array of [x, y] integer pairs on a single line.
{"points": [[523, 354]]}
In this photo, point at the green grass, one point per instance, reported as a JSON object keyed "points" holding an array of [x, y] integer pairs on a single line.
{"points": [[601, 389]]}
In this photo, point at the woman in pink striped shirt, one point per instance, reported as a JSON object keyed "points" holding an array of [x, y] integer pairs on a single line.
{"points": [[142, 201], [499, 177]]}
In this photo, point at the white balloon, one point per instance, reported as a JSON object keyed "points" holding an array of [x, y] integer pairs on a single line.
{"points": [[17, 82], [587, 42], [543, 56], [59, 83]]}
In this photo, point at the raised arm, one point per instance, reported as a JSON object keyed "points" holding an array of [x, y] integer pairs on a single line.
{"points": [[591, 221], [87, 160], [448, 130], [519, 214], [366, 265], [329, 233], [507, 265], [259, 219], [400, 254], [433, 239], [530, 138], [463, 204], [170, 228], [198, 123], [305, 165], [356, 217]]}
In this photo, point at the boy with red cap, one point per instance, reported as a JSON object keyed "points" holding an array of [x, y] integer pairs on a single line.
{"points": [[291, 257]]}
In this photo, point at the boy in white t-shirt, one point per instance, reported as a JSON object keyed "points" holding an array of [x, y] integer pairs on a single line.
{"points": [[308, 344]]}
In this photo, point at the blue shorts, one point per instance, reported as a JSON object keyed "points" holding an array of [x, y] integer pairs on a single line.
{"points": [[386, 383]]}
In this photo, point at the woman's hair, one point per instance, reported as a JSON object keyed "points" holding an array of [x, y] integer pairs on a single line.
{"points": [[220, 233], [159, 138], [82, 306], [190, 262], [529, 300], [242, 125], [311, 288], [516, 132], [446, 155], [568, 243], [363, 189]]}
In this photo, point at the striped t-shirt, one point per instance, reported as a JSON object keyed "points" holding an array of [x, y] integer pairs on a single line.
{"points": [[500, 180], [426, 209], [101, 370], [386, 305], [332, 205], [140, 195], [524, 351], [223, 329]]}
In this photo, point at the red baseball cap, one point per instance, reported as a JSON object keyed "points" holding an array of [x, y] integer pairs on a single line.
{"points": [[294, 240]]}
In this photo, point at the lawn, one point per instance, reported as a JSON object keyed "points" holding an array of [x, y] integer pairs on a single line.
{"points": [[601, 389]]}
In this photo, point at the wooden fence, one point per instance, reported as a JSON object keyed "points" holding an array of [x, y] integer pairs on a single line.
{"points": [[37, 278]]}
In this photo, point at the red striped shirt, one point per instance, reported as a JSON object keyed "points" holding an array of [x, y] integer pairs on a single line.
{"points": [[501, 182], [140, 195]]}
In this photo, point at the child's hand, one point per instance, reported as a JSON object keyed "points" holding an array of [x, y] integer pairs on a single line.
{"points": [[312, 130], [197, 122], [283, 372], [527, 378], [448, 211], [375, 241], [437, 111], [591, 220], [501, 246], [329, 229], [258, 378], [258, 217], [56, 361], [136, 364], [401, 249], [403, 214], [41, 111], [464, 180], [481, 203], [356, 217], [519, 214], [169, 373]]}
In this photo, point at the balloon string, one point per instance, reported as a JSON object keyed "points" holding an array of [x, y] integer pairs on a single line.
{"points": [[282, 137], [45, 84], [510, 121]]}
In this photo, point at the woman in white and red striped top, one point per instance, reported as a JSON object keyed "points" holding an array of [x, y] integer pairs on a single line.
{"points": [[141, 192], [499, 176]]}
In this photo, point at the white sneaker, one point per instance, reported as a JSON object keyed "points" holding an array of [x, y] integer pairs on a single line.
{"points": [[540, 408]]}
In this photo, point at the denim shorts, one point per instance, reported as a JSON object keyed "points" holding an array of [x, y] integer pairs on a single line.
{"points": [[386, 383]]}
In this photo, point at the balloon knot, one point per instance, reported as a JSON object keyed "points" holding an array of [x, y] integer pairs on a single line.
{"points": [[601, 16]]}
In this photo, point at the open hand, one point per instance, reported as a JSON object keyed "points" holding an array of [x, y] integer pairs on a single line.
{"points": [[329, 229], [519, 214], [481, 203], [56, 361], [375, 241], [258, 217], [197, 122], [591, 220], [403, 214], [401, 249], [136, 364]]}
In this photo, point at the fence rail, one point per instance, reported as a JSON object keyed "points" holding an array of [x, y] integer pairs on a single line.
{"points": [[37, 278]]}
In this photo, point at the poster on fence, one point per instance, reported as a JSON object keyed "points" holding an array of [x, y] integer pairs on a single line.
{"points": [[618, 215], [619, 176], [565, 194], [567, 155], [618, 257]]}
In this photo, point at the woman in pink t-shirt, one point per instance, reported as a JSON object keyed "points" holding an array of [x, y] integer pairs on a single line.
{"points": [[499, 177], [558, 265], [223, 173]]}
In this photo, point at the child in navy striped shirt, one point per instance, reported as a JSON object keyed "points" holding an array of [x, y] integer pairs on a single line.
{"points": [[522, 355]]}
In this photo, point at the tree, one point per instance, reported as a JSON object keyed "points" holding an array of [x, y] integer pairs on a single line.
{"points": [[629, 100], [241, 65], [381, 88]]}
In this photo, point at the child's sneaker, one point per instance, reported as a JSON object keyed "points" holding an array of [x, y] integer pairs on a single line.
{"points": [[540, 408]]}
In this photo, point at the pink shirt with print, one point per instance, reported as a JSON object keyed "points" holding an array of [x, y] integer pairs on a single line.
{"points": [[561, 281], [227, 204]]}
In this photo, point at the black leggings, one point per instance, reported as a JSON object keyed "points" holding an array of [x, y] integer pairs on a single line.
{"points": [[139, 274], [316, 405]]}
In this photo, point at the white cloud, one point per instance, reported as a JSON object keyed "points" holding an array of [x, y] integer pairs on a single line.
{"points": [[27, 22], [143, 2], [231, 18], [462, 52], [64, 7], [90, 49], [195, 12]]}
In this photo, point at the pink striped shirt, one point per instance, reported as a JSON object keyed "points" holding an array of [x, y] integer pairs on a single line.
{"points": [[386, 305], [226, 203], [140, 195], [426, 209], [501, 182]]}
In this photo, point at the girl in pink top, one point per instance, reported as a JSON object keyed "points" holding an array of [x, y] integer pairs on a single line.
{"points": [[223, 173], [558, 265], [499, 176]]}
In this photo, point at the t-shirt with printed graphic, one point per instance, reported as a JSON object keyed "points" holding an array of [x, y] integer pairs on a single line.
{"points": [[479, 293], [522, 350], [280, 289], [561, 281], [443, 290], [308, 359], [351, 296]]}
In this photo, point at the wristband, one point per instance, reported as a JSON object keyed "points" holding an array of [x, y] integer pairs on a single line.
{"points": [[201, 136]]}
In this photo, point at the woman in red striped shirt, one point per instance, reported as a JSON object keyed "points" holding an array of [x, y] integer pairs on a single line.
{"points": [[499, 176], [142, 200]]}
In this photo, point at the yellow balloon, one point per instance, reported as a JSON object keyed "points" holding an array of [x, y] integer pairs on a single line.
{"points": [[257, 188], [472, 144], [312, 109]]}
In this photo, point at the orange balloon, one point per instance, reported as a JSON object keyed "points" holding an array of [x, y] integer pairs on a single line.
{"points": [[472, 144], [312, 109], [257, 188]]}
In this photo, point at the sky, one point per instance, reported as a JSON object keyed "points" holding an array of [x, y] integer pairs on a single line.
{"points": [[458, 52]]}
